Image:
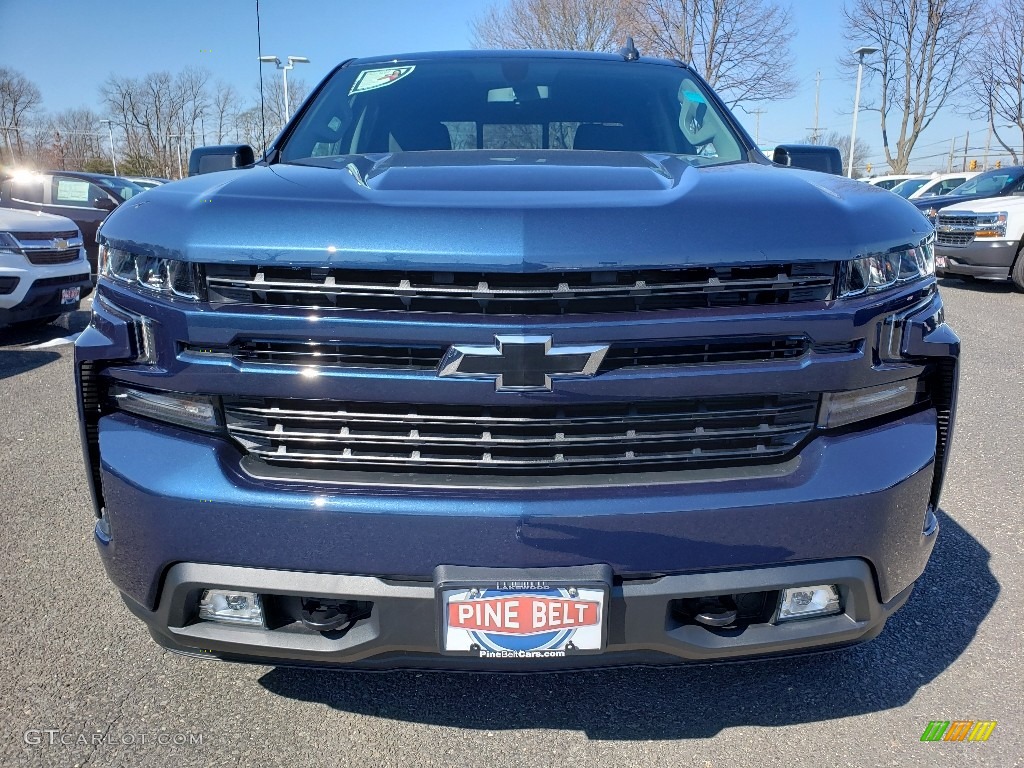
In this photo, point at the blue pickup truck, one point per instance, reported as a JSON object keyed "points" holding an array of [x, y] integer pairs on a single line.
{"points": [[514, 361]]}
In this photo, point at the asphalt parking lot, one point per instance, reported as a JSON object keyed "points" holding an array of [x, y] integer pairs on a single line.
{"points": [[83, 684]]}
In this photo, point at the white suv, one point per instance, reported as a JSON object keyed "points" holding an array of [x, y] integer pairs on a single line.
{"points": [[43, 269], [982, 238]]}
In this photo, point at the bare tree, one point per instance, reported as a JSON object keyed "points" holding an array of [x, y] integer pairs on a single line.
{"points": [[78, 141], [841, 141], [998, 68], [161, 116], [569, 25], [924, 46], [19, 100], [224, 106], [741, 47]]}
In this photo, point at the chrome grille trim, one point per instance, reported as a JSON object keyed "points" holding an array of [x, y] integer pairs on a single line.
{"points": [[544, 293], [647, 354], [612, 437]]}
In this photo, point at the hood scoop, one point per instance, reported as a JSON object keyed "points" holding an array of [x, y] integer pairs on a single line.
{"points": [[494, 171]]}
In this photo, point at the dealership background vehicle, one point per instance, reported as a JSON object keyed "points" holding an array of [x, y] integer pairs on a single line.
{"points": [[515, 361], [43, 271], [146, 182], [942, 184], [1000, 182], [888, 182], [982, 239], [907, 188], [85, 198]]}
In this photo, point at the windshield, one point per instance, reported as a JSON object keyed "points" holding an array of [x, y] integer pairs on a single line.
{"points": [[989, 184], [908, 187], [120, 187], [513, 104]]}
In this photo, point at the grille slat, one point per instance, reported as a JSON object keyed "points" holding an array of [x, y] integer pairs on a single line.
{"points": [[533, 440], [555, 293], [68, 234], [955, 239], [621, 356]]}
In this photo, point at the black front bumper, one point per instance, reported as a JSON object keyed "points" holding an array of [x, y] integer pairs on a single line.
{"points": [[402, 630], [43, 299]]}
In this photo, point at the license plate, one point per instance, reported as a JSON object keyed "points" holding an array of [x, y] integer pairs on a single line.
{"points": [[528, 619], [940, 262], [70, 295]]}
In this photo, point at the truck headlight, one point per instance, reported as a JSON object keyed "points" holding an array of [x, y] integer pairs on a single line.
{"points": [[991, 224], [196, 411], [8, 244], [879, 271], [170, 277]]}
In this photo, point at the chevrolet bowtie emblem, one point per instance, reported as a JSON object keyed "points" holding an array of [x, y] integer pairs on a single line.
{"points": [[61, 244], [522, 363]]}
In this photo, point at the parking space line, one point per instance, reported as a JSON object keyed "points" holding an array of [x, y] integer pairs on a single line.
{"points": [[55, 342]]}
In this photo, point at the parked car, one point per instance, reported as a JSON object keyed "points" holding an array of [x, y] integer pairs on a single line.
{"points": [[146, 182], [982, 239], [85, 198], [43, 271], [514, 360], [907, 188], [888, 182], [942, 184], [996, 183]]}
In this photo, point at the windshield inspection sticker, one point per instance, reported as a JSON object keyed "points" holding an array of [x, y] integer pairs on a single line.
{"points": [[371, 79]]}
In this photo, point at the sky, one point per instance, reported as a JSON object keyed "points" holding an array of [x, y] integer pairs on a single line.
{"points": [[87, 41]]}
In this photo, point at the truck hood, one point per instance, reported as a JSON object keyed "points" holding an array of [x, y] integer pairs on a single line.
{"points": [[15, 220], [515, 212]]}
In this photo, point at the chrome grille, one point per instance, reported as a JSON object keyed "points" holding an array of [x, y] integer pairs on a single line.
{"points": [[526, 440], [955, 230], [333, 354], [545, 293], [43, 257], [40, 248], [956, 239]]}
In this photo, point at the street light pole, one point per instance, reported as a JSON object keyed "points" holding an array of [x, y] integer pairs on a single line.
{"points": [[179, 137], [7, 134], [862, 52], [110, 133], [292, 61]]}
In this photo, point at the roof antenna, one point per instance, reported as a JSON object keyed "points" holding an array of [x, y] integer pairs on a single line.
{"points": [[629, 51]]}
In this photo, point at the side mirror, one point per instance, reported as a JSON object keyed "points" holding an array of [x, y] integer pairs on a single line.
{"points": [[781, 156], [104, 204], [223, 157]]}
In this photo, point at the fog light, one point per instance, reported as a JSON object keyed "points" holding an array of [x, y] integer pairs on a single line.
{"points": [[231, 607], [803, 602]]}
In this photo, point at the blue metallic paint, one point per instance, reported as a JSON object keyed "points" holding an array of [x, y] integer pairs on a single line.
{"points": [[174, 496], [292, 215]]}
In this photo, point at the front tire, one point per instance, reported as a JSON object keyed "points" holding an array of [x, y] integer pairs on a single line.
{"points": [[1017, 273]]}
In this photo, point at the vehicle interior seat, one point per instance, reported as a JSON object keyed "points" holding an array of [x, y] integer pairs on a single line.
{"points": [[610, 138], [419, 137]]}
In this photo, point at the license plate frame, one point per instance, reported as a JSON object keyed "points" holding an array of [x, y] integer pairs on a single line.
{"points": [[522, 614], [71, 295]]}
